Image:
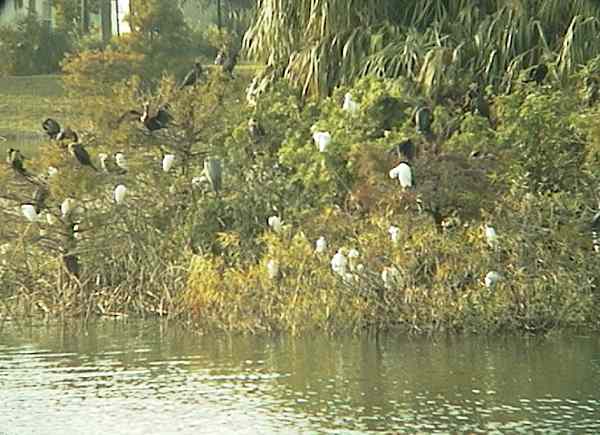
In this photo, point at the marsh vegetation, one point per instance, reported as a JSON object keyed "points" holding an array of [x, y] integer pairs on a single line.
{"points": [[435, 170]]}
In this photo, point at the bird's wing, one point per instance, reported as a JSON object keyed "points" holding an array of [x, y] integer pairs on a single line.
{"points": [[163, 116], [51, 127], [130, 115], [189, 79]]}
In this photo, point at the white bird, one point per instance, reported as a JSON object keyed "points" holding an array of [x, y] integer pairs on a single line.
{"points": [[52, 171], [50, 219], [322, 140], [492, 278], [168, 161], [490, 236], [320, 245], [339, 262], [389, 276], [403, 172], [121, 161], [353, 254], [275, 223], [67, 207], [394, 233], [273, 269], [29, 212], [350, 105], [103, 157], [197, 182], [119, 193]]}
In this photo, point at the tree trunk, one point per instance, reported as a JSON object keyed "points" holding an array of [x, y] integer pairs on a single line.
{"points": [[219, 17], [85, 17], [106, 17]]}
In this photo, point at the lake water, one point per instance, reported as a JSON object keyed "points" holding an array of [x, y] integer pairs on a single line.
{"points": [[149, 377]]}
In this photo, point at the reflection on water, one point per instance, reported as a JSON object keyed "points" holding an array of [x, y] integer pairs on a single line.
{"points": [[147, 378]]}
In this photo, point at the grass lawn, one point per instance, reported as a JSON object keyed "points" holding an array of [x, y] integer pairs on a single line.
{"points": [[24, 103]]}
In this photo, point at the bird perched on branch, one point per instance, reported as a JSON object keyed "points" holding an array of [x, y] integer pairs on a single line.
{"points": [[422, 119], [404, 150], [596, 232], [15, 159], [230, 63], [54, 131], [536, 73], [404, 173], [39, 197], [81, 154], [160, 120], [255, 130], [192, 77], [220, 57]]}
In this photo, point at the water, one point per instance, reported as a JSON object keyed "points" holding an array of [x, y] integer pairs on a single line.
{"points": [[154, 378]]}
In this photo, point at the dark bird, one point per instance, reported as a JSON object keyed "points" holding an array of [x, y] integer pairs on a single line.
{"points": [[537, 74], [192, 77], [71, 263], [596, 232], [81, 154], [54, 131], [51, 127], [160, 120], [220, 58], [15, 159], [405, 150], [39, 198], [255, 130], [230, 63], [422, 119], [475, 101]]}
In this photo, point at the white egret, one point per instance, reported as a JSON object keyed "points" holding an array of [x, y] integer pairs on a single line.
{"points": [[50, 218], [491, 237], [350, 105], [404, 173], [320, 245], [492, 278], [275, 223], [121, 161], [394, 233], [67, 207], [119, 193], [167, 162], [102, 157], [389, 276], [322, 140], [273, 269], [197, 182], [339, 262], [353, 254], [29, 212], [52, 171], [596, 232]]}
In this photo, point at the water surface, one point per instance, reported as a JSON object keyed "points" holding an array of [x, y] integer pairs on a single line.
{"points": [[155, 378]]}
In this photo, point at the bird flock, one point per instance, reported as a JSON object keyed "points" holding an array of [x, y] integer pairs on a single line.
{"points": [[344, 262]]}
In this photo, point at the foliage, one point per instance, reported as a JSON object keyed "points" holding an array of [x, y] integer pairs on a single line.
{"points": [[178, 247], [97, 72], [437, 44], [30, 47]]}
